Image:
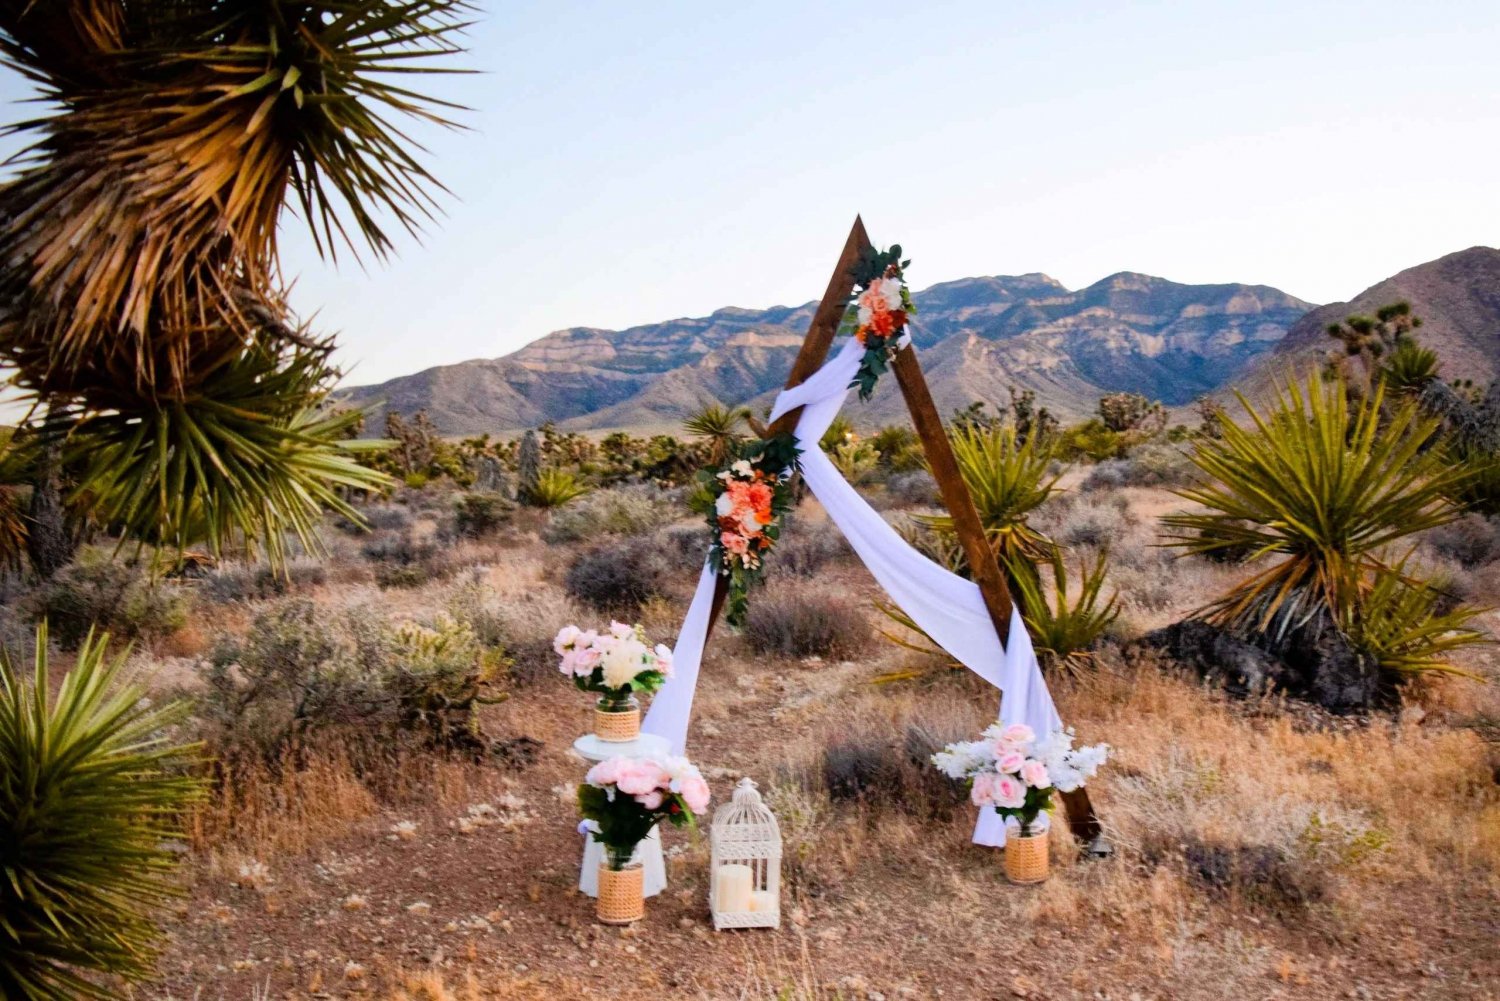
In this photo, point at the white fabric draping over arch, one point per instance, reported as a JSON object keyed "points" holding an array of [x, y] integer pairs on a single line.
{"points": [[949, 608]]}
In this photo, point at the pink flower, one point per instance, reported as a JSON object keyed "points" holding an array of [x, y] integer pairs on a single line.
{"points": [[638, 777], [663, 659], [620, 630], [1034, 773], [651, 800], [605, 773], [1010, 761], [985, 787], [1017, 733], [566, 637], [1010, 792], [734, 543], [695, 793]]}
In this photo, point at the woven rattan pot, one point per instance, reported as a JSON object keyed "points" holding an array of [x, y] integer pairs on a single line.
{"points": [[616, 726], [621, 897], [1026, 858]]}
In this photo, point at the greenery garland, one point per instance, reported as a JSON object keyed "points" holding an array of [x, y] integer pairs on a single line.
{"points": [[745, 502], [877, 312]]}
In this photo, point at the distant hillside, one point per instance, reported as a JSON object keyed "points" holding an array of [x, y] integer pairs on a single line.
{"points": [[1457, 297], [977, 336]]}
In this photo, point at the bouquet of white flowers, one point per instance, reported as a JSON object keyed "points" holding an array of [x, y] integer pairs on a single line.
{"points": [[1010, 769]]}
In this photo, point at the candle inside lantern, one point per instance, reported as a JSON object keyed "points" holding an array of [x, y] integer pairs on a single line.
{"points": [[762, 901], [734, 885]]}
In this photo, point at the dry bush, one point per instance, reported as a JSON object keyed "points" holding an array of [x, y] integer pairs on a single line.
{"points": [[623, 511], [1155, 464], [617, 578], [806, 624], [807, 547], [115, 596], [914, 489], [257, 581], [1472, 541]]}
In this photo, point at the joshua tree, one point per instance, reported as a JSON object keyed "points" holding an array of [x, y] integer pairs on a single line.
{"points": [[1370, 338], [141, 297], [528, 468]]}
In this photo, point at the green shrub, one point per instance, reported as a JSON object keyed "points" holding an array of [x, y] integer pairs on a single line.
{"points": [[91, 796], [115, 596], [806, 625], [476, 515], [255, 582]]}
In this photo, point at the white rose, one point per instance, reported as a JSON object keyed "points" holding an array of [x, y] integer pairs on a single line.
{"points": [[890, 291], [622, 661], [742, 468], [724, 506]]}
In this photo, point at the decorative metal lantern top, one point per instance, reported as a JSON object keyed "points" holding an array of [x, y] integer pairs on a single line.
{"points": [[745, 867]]}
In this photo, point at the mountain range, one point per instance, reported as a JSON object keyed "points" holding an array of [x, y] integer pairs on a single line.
{"points": [[976, 338]]}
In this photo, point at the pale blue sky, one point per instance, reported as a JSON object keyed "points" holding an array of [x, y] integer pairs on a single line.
{"points": [[630, 163]]}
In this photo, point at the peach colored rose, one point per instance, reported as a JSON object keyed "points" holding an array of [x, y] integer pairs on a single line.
{"points": [[734, 543]]}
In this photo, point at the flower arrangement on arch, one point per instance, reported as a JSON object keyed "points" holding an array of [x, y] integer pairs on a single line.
{"points": [[745, 502], [878, 313], [1012, 770], [622, 798], [615, 663]]}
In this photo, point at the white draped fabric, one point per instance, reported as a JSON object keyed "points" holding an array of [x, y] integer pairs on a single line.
{"points": [[947, 607]]}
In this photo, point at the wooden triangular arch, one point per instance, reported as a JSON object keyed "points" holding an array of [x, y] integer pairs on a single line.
{"points": [[955, 493]]}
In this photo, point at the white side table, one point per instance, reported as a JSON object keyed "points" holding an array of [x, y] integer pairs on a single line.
{"points": [[648, 852]]}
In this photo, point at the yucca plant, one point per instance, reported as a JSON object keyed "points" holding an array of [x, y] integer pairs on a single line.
{"points": [[1064, 631], [141, 288], [719, 427], [1009, 479], [91, 790], [1316, 488], [1399, 625], [555, 487]]}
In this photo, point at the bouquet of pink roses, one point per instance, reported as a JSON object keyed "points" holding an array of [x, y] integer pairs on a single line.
{"points": [[615, 662], [623, 798], [1010, 769]]}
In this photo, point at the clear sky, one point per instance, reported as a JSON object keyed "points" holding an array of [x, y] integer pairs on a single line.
{"points": [[634, 162]]}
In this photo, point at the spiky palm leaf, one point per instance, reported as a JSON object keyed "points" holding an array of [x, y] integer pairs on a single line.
{"points": [[247, 460], [1317, 492], [1008, 479], [1065, 632], [91, 790], [1399, 624], [555, 487], [719, 426]]}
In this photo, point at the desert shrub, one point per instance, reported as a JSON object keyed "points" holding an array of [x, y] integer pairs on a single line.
{"points": [[93, 794], [856, 460], [804, 549], [1151, 465], [403, 560], [625, 511], [863, 769], [296, 675], [470, 604], [1472, 540], [1094, 524], [477, 514], [377, 518], [806, 625], [254, 582], [915, 488], [1091, 440], [684, 548], [1264, 876], [531, 661], [116, 596], [616, 578]]}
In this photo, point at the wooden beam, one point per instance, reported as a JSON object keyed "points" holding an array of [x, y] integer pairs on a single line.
{"points": [[956, 497]]}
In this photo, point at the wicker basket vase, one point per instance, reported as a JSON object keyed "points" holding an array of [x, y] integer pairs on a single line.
{"points": [[1026, 858], [622, 899], [617, 721]]}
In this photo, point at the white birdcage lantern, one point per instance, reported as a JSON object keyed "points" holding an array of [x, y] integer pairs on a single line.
{"points": [[745, 865]]}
